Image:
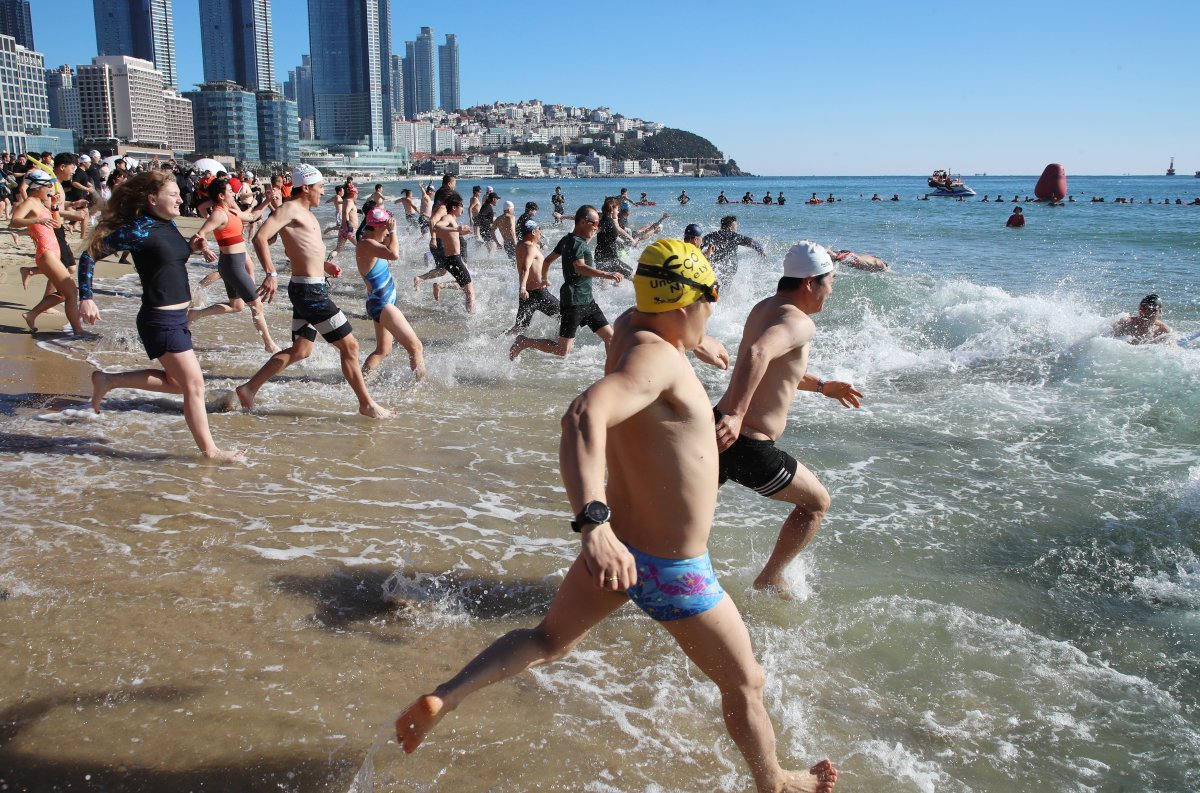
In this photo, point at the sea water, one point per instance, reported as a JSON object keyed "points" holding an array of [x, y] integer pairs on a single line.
{"points": [[1005, 593]]}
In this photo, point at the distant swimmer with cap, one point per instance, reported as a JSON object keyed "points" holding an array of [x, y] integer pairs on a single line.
{"points": [[647, 422], [313, 311], [1146, 327], [772, 365], [379, 247], [576, 303]]}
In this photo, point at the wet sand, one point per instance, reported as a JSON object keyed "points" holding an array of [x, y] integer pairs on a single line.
{"points": [[175, 625]]}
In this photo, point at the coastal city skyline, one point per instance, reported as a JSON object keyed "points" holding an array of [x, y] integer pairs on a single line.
{"points": [[899, 90]]}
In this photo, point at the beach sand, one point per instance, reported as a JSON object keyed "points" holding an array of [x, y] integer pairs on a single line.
{"points": [[27, 369]]}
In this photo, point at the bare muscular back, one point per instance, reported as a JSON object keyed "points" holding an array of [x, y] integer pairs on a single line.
{"points": [[506, 224], [301, 237], [766, 417], [662, 462]]}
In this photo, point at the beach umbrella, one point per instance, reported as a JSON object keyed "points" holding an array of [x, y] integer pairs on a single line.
{"points": [[112, 161], [209, 164]]}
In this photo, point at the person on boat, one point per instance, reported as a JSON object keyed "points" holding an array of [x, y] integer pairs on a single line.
{"points": [[747, 198], [721, 199], [767, 198], [1016, 220], [644, 200], [814, 200], [1146, 327]]}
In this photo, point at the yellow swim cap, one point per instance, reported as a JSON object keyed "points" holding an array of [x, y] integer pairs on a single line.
{"points": [[672, 274]]}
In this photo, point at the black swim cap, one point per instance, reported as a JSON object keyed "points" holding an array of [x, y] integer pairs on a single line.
{"points": [[1152, 300]]}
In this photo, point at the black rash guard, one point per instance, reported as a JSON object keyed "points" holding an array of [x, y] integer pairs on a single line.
{"points": [[160, 254]]}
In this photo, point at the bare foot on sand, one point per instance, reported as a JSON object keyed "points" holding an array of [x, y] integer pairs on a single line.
{"points": [[26, 274], [27, 316], [271, 347], [218, 456], [418, 369], [375, 411], [99, 389], [818, 779], [417, 284], [245, 396], [417, 720], [437, 291], [518, 346]]}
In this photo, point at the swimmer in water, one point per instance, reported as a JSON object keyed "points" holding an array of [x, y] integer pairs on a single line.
{"points": [[576, 303], [225, 222], [379, 246], [772, 366], [313, 310], [649, 418], [1146, 327], [533, 279], [140, 218]]}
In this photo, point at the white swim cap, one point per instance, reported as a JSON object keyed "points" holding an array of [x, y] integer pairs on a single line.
{"points": [[305, 174], [807, 259]]}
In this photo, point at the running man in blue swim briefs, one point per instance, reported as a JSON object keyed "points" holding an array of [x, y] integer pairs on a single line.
{"points": [[380, 245], [648, 418], [772, 365]]}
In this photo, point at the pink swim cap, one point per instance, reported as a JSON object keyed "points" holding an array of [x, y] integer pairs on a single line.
{"points": [[378, 217]]}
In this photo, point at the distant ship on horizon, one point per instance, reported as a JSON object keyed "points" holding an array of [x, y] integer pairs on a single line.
{"points": [[1171, 168]]}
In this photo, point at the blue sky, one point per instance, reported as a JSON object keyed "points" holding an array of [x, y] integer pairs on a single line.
{"points": [[795, 88]]}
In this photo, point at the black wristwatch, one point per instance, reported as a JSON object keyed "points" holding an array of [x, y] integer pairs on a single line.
{"points": [[593, 513]]}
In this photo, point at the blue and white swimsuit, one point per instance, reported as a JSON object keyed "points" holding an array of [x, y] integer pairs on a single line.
{"points": [[381, 289]]}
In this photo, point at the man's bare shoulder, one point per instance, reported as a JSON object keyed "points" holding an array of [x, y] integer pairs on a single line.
{"points": [[775, 311]]}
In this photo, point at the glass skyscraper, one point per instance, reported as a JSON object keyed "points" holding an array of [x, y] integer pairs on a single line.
{"points": [[351, 46], [237, 42], [15, 21], [140, 29], [424, 80], [448, 74]]}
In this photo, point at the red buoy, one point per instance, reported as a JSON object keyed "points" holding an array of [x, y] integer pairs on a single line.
{"points": [[1052, 186]]}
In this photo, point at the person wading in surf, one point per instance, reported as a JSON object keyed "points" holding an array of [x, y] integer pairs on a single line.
{"points": [[648, 420]]}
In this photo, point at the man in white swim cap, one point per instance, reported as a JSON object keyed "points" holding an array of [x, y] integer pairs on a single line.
{"points": [[772, 365]]}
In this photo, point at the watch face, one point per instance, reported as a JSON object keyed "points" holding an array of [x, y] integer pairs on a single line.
{"points": [[597, 512]]}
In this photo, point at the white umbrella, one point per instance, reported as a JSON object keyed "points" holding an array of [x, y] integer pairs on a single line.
{"points": [[209, 164], [112, 161]]}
